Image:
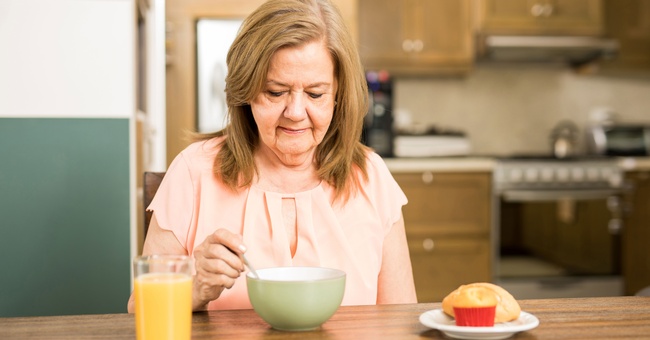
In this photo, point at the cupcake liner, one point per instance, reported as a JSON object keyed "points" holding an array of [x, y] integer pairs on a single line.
{"points": [[475, 316]]}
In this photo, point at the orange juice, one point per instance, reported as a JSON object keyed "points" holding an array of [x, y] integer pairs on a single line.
{"points": [[163, 306]]}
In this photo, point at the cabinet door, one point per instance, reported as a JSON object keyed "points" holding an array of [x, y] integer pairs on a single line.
{"points": [[636, 234], [447, 204], [415, 36], [628, 21], [545, 17], [381, 32], [440, 265], [447, 219], [444, 28]]}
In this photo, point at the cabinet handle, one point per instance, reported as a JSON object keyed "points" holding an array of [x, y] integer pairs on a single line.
{"points": [[418, 45], [537, 10], [615, 226], [548, 10], [542, 10], [428, 244], [407, 45], [427, 177]]}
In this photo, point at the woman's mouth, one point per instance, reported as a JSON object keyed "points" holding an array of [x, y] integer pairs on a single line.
{"points": [[292, 131]]}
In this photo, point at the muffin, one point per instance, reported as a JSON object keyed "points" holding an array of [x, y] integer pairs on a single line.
{"points": [[480, 295], [475, 306]]}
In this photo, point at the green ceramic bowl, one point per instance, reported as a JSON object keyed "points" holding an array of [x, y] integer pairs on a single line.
{"points": [[296, 298]]}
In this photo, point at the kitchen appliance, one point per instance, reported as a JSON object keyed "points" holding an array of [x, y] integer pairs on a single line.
{"points": [[378, 123], [619, 139], [573, 50], [559, 225], [564, 138], [431, 145]]}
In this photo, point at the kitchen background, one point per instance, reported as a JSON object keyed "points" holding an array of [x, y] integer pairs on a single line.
{"points": [[510, 109], [122, 74]]}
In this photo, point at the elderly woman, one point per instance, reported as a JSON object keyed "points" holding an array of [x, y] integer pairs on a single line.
{"points": [[287, 181]]}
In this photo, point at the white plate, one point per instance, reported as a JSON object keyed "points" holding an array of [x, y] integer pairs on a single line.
{"points": [[439, 320]]}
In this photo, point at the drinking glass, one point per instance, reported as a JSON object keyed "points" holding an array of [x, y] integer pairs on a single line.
{"points": [[163, 297]]}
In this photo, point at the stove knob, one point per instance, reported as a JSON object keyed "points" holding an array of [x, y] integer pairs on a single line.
{"points": [[547, 174], [605, 173], [563, 174], [578, 174], [592, 174], [531, 175], [516, 175], [615, 179]]}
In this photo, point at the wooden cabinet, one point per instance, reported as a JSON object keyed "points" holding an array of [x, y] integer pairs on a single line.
{"points": [[628, 21], [448, 226], [414, 37], [541, 17], [636, 233]]}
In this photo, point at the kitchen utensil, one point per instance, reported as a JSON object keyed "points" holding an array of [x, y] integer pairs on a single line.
{"points": [[250, 267], [564, 137]]}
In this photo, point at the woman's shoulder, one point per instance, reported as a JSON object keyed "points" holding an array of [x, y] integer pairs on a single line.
{"points": [[375, 165], [201, 154]]}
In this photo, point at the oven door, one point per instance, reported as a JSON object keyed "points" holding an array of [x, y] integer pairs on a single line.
{"points": [[561, 242]]}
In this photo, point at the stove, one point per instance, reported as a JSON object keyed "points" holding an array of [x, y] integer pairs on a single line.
{"points": [[558, 222], [547, 173]]}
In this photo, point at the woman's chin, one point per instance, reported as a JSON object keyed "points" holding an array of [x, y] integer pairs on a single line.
{"points": [[295, 156]]}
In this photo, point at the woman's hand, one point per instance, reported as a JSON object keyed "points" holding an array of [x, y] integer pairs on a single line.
{"points": [[218, 264]]}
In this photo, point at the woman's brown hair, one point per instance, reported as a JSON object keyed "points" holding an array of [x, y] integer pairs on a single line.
{"points": [[283, 23]]}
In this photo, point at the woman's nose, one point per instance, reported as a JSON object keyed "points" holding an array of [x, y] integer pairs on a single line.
{"points": [[296, 108]]}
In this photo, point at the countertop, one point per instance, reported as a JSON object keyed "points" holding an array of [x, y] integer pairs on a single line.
{"points": [[441, 164], [482, 164], [625, 317]]}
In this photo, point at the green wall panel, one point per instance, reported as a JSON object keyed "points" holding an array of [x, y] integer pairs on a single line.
{"points": [[64, 216]]}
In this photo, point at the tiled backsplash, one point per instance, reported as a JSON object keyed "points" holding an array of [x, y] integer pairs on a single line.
{"points": [[512, 109]]}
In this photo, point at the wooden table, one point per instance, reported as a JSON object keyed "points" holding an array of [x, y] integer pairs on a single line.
{"points": [[579, 318]]}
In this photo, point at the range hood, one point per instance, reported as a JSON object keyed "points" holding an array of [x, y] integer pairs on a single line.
{"points": [[572, 50]]}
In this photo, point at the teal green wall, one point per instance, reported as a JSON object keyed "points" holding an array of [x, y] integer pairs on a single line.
{"points": [[64, 216]]}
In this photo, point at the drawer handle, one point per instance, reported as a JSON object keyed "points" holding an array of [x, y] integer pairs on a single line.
{"points": [[542, 10], [428, 244], [418, 45], [427, 177], [407, 45]]}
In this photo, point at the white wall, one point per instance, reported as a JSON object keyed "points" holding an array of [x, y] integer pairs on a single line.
{"points": [[67, 58]]}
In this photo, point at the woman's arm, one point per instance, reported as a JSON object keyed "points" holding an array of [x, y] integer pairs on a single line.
{"points": [[217, 261], [158, 241], [396, 276]]}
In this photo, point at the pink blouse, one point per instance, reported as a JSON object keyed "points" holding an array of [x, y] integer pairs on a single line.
{"points": [[192, 203]]}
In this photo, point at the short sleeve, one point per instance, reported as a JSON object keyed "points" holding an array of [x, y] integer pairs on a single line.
{"points": [[386, 194], [173, 203]]}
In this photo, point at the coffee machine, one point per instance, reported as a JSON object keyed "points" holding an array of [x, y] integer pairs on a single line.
{"points": [[378, 122]]}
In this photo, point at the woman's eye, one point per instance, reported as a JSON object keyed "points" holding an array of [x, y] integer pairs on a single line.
{"points": [[315, 95], [275, 93]]}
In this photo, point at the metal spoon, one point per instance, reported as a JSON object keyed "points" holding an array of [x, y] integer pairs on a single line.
{"points": [[248, 264]]}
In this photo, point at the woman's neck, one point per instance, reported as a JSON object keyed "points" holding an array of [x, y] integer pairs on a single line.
{"points": [[280, 175]]}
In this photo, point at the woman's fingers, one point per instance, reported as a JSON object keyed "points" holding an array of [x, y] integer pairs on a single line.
{"points": [[218, 264], [228, 239], [218, 259]]}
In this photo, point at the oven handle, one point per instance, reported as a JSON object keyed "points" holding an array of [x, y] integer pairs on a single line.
{"points": [[557, 195]]}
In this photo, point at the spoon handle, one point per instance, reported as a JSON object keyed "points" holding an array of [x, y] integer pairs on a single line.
{"points": [[248, 264]]}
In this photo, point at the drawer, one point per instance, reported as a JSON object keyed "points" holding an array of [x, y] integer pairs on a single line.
{"points": [[451, 202], [440, 265]]}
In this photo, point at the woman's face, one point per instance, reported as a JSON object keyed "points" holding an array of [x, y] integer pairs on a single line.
{"points": [[296, 105]]}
